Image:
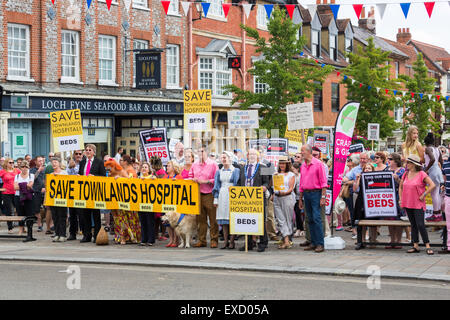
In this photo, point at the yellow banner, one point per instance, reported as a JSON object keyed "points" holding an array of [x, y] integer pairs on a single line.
{"points": [[67, 131], [159, 195], [278, 182], [246, 210], [197, 110], [296, 135]]}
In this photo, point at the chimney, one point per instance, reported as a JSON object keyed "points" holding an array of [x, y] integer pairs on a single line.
{"points": [[324, 8], [403, 35], [368, 23]]}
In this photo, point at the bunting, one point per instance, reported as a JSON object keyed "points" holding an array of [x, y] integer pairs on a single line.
{"points": [[165, 5], [405, 8], [226, 8], [108, 4], [205, 6], [429, 6], [89, 3], [290, 9], [335, 9], [381, 8], [247, 7], [269, 9], [53, 1], [185, 6], [358, 9]]}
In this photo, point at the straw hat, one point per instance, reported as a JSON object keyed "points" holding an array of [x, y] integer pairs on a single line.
{"points": [[339, 205], [414, 159], [283, 159]]}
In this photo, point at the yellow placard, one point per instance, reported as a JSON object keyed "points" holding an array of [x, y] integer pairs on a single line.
{"points": [[67, 131], [295, 139], [159, 195], [197, 110], [278, 182], [246, 210]]}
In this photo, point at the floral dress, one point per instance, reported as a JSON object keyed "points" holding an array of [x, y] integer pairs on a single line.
{"points": [[127, 227]]}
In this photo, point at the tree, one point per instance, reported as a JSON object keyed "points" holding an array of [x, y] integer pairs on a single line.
{"points": [[419, 109], [369, 67], [289, 79]]}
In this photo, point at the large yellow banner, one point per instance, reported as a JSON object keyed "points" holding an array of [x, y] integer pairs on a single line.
{"points": [[197, 110], [246, 210], [159, 195], [67, 131]]}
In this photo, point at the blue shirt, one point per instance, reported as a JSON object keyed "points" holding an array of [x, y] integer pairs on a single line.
{"points": [[446, 172], [352, 176]]}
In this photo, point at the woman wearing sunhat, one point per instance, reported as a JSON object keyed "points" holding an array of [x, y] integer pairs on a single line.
{"points": [[412, 193]]}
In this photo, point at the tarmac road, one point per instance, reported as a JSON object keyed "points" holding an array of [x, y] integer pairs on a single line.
{"points": [[41, 280]]}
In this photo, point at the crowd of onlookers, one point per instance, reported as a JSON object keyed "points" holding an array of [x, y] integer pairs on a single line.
{"points": [[296, 208]]}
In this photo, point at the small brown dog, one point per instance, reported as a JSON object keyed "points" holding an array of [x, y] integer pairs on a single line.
{"points": [[185, 229]]}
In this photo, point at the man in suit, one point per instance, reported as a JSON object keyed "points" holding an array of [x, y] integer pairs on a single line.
{"points": [[254, 174], [91, 166]]}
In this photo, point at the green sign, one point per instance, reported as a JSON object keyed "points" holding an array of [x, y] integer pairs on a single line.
{"points": [[19, 140]]}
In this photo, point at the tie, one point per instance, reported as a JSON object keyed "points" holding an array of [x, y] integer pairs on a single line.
{"points": [[88, 168], [249, 174]]}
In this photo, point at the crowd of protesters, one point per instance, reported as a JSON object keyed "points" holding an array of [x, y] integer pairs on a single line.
{"points": [[295, 209]]}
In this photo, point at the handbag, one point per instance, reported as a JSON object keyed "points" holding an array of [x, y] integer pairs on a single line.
{"points": [[345, 191], [102, 237]]}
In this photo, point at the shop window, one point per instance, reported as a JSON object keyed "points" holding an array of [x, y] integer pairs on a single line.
{"points": [[126, 123], [92, 122], [85, 123], [101, 123], [173, 123], [166, 123], [180, 123], [91, 132], [155, 123], [146, 123], [134, 134], [161, 122], [108, 123], [136, 123]]}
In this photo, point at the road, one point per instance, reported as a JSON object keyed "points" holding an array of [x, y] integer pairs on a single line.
{"points": [[40, 280]]}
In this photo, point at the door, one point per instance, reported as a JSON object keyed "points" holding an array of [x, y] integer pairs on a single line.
{"points": [[41, 137], [19, 133]]}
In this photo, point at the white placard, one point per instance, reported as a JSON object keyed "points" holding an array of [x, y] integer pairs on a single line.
{"points": [[373, 131], [300, 116], [246, 223], [197, 121], [69, 143], [243, 119]]}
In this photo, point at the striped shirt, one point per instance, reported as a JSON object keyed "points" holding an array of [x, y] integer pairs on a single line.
{"points": [[446, 172]]}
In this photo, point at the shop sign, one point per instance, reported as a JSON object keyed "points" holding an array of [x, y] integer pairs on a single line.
{"points": [[148, 70]]}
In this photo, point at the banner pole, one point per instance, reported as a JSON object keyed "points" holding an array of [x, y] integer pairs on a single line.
{"points": [[372, 145], [246, 243]]}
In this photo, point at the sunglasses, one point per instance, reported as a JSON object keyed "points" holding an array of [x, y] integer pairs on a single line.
{"points": [[390, 159], [11, 162], [377, 157], [78, 153]]}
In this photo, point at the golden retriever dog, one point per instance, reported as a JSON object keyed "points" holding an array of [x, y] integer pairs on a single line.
{"points": [[186, 229]]}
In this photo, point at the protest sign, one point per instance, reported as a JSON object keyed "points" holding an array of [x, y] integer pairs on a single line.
{"points": [[67, 131], [246, 210], [197, 110], [243, 119], [159, 195], [277, 146], [154, 142], [343, 133], [257, 143], [373, 131], [278, 182], [295, 139], [300, 116], [321, 142], [429, 206], [356, 148], [379, 194]]}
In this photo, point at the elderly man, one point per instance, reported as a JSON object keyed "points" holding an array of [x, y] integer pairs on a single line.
{"points": [[253, 175], [203, 172], [91, 166], [313, 188], [179, 153]]}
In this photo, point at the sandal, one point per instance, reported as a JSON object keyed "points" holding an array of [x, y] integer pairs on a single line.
{"points": [[48, 232], [413, 250], [430, 252], [232, 246]]}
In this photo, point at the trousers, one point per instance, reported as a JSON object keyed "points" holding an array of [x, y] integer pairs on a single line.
{"points": [[88, 216], [284, 210], [270, 223], [8, 203], [315, 221], [417, 220], [147, 220], [325, 226], [24, 208], [447, 221], [75, 220], [59, 215], [207, 210]]}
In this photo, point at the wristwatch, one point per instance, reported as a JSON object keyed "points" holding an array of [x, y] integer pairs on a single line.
{"points": [[324, 197]]}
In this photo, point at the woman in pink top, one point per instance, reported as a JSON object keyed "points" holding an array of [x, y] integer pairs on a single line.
{"points": [[7, 175], [188, 161], [412, 193]]}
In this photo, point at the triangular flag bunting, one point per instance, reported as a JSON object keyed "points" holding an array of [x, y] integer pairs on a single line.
{"points": [[395, 92], [412, 94], [166, 5], [127, 4], [403, 93], [53, 1], [353, 81], [421, 95], [438, 97], [381, 8], [358, 9], [345, 77], [185, 6], [369, 87], [335, 9], [290, 9], [360, 85], [226, 8], [312, 10], [429, 97], [247, 7], [108, 4], [429, 6], [206, 6], [338, 73], [269, 8], [446, 98], [378, 90], [405, 8], [387, 91], [302, 53], [89, 3]]}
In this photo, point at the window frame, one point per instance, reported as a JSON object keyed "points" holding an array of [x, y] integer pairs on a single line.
{"points": [[317, 55], [333, 50], [320, 108], [76, 78], [27, 70], [256, 84], [259, 24], [214, 71], [142, 4], [335, 100], [113, 81], [347, 50], [216, 5], [175, 85]]}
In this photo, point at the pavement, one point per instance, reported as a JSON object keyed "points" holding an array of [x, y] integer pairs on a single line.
{"points": [[347, 262]]}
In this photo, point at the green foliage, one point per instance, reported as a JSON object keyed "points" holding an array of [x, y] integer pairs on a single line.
{"points": [[290, 79], [369, 67], [419, 111]]}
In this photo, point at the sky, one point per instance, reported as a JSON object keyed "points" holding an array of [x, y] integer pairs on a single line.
{"points": [[435, 31]]}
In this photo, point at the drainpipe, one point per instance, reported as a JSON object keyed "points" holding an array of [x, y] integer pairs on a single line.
{"points": [[244, 51], [190, 67]]}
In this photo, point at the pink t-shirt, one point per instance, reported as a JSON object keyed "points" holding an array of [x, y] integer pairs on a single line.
{"points": [[412, 190], [312, 176], [8, 180], [185, 174]]}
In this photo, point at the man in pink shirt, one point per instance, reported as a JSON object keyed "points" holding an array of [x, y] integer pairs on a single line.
{"points": [[203, 173], [313, 187]]}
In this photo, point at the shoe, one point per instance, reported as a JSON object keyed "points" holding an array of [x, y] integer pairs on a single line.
{"points": [[225, 246], [94, 240], [274, 238], [349, 229], [39, 229], [319, 249], [232, 246], [84, 240], [310, 248], [302, 233], [297, 234], [339, 228], [142, 244], [10, 231], [62, 239], [404, 218], [438, 218], [52, 228], [429, 251], [72, 237], [168, 245], [445, 251], [354, 236], [150, 244], [305, 244], [213, 245], [199, 245], [173, 245], [162, 238], [261, 249], [413, 250], [29, 239], [359, 246], [55, 239]]}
